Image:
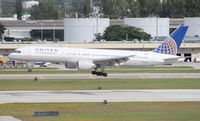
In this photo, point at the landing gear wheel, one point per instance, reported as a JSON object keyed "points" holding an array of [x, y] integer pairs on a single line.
{"points": [[105, 74], [94, 72], [99, 74], [29, 70]]}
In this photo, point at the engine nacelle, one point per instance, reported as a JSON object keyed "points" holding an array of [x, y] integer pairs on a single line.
{"points": [[86, 65], [70, 65]]}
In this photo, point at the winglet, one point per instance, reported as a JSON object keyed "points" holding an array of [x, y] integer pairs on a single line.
{"points": [[173, 42]]}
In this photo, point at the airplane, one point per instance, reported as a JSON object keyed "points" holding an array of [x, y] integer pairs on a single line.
{"points": [[97, 60]]}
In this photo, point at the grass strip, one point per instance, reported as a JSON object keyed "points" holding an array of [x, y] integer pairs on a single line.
{"points": [[93, 84], [136, 111]]}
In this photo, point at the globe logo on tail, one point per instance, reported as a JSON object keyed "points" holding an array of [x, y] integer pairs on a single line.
{"points": [[168, 46]]}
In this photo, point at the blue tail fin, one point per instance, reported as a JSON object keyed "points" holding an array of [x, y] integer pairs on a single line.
{"points": [[173, 42]]}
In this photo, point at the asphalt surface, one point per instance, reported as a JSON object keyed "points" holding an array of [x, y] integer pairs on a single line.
{"points": [[89, 76], [99, 96]]}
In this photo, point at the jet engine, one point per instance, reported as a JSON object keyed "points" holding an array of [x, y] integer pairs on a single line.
{"points": [[86, 65], [70, 65]]}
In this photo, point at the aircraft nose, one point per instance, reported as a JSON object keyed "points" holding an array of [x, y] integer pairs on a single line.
{"points": [[10, 56]]}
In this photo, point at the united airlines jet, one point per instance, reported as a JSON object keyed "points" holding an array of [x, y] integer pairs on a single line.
{"points": [[97, 60]]}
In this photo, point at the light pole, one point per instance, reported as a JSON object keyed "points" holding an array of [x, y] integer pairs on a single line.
{"points": [[97, 22], [93, 30], [156, 27], [65, 10], [0, 8], [54, 33], [41, 35]]}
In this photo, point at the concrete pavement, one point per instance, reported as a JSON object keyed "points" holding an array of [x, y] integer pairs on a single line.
{"points": [[89, 76], [100, 95]]}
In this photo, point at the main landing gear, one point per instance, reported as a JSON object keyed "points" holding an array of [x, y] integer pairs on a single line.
{"points": [[99, 73]]}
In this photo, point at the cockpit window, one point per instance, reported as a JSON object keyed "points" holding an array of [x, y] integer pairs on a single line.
{"points": [[16, 51]]}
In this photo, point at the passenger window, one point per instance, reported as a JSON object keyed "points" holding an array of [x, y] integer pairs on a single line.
{"points": [[17, 51]]}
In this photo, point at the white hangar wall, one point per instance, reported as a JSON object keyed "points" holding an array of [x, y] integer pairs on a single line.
{"points": [[153, 26], [194, 26], [83, 29]]}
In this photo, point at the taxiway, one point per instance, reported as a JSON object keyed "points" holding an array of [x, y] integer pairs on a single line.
{"points": [[99, 96], [89, 76]]}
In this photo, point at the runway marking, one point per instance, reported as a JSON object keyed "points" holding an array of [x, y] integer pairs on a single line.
{"points": [[41, 77], [184, 76], [142, 77], [92, 77]]}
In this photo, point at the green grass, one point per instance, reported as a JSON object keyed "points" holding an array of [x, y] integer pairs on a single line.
{"points": [[92, 84], [135, 111], [112, 70]]}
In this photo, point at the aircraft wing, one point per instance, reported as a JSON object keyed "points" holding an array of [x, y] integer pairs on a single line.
{"points": [[111, 61]]}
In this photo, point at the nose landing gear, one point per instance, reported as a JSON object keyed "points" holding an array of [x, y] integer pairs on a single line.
{"points": [[29, 65], [29, 70]]}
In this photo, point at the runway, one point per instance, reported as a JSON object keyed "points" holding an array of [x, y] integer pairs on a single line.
{"points": [[89, 76], [99, 96]]}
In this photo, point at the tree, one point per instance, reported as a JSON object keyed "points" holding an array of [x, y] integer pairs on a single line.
{"points": [[166, 7], [45, 10], [149, 8], [114, 8], [86, 8], [82, 8], [119, 33], [133, 9], [19, 9], [98, 37], [2, 30], [8, 7], [180, 10], [155, 7], [106, 7], [121, 8], [193, 9], [173, 8]]}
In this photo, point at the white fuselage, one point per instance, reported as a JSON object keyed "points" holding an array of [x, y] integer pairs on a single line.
{"points": [[73, 55]]}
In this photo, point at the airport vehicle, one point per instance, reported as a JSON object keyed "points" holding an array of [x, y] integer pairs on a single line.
{"points": [[98, 59]]}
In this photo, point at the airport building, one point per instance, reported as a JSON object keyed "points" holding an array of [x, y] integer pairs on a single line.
{"points": [[84, 29]]}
